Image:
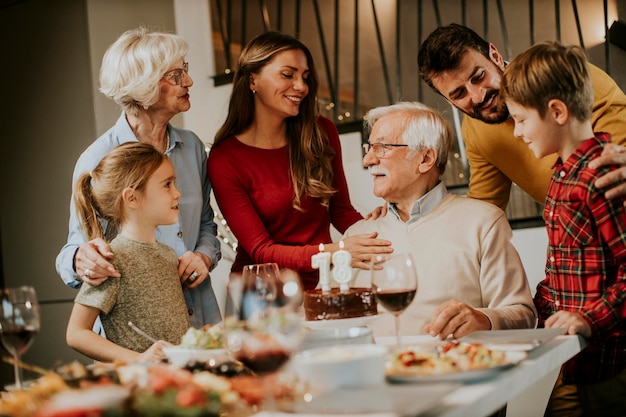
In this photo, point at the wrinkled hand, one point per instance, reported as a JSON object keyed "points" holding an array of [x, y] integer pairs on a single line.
{"points": [[380, 211], [91, 262], [457, 319], [190, 263], [154, 353], [612, 155], [364, 247], [573, 323]]}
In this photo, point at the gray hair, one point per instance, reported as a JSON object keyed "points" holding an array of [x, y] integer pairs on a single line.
{"points": [[422, 127], [134, 64]]}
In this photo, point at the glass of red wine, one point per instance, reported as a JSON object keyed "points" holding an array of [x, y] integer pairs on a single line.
{"points": [[19, 323], [395, 285], [262, 326]]}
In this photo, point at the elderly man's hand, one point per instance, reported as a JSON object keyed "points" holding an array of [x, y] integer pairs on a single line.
{"points": [[456, 319], [612, 155]]}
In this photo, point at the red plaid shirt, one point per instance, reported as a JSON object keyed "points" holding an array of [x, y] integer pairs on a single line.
{"points": [[586, 266]]}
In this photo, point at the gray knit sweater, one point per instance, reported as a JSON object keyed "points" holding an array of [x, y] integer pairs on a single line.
{"points": [[148, 293]]}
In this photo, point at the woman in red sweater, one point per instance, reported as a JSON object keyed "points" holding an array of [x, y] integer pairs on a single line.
{"points": [[276, 167]]}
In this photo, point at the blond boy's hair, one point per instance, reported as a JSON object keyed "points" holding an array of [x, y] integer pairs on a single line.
{"points": [[549, 71]]}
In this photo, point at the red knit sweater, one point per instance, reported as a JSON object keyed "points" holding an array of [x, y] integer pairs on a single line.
{"points": [[254, 192]]}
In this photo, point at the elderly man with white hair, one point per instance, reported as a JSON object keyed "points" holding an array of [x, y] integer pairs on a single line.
{"points": [[470, 277]]}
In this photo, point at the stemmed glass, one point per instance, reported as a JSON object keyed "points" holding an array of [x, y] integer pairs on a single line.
{"points": [[262, 327], [260, 287], [19, 323], [395, 285]]}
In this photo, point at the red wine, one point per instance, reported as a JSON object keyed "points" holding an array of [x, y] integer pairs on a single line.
{"points": [[18, 339], [395, 301], [263, 362]]}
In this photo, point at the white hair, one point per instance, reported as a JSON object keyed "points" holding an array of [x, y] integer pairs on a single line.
{"points": [[134, 64], [422, 127]]}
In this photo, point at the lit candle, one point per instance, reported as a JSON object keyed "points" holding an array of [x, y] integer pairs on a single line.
{"points": [[342, 271], [321, 261]]}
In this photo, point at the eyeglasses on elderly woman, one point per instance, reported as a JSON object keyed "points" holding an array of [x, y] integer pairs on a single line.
{"points": [[176, 76]]}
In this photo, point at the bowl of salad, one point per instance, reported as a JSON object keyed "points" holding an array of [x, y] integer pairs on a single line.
{"points": [[199, 346]]}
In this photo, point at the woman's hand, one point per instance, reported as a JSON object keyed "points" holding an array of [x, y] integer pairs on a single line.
{"points": [[91, 262], [363, 248], [612, 155], [380, 211], [193, 268], [573, 323]]}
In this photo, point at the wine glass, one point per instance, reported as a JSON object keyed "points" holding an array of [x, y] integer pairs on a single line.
{"points": [[395, 285], [19, 323], [262, 327], [259, 289]]}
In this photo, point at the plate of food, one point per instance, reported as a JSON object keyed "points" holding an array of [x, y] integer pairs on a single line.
{"points": [[340, 323], [451, 362], [199, 346]]}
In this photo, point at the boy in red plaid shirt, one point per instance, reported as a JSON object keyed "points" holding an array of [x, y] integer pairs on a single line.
{"points": [[549, 94]]}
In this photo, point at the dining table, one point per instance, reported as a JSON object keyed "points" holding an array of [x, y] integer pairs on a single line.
{"points": [[522, 390]]}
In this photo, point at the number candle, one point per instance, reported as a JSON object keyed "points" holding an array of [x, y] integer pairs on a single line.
{"points": [[342, 272], [321, 261]]}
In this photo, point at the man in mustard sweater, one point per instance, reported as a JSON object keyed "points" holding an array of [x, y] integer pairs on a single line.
{"points": [[467, 70], [470, 277]]}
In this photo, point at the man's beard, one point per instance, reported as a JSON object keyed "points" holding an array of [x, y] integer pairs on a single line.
{"points": [[497, 115]]}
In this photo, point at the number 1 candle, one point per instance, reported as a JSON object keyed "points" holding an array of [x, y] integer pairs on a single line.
{"points": [[321, 261]]}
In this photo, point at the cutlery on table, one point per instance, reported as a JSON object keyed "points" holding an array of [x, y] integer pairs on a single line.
{"points": [[142, 333]]}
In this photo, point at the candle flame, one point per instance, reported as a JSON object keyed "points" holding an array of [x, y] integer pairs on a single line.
{"points": [[341, 244], [321, 247]]}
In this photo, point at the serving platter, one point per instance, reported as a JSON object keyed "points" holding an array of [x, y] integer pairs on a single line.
{"points": [[513, 339], [180, 356], [511, 359], [339, 323]]}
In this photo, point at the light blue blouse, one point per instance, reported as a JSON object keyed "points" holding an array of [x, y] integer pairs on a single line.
{"points": [[195, 231]]}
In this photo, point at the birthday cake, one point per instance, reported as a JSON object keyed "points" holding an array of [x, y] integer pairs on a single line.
{"points": [[327, 303], [337, 304]]}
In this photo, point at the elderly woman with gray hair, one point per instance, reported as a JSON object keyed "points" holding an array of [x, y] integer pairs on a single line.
{"points": [[146, 74]]}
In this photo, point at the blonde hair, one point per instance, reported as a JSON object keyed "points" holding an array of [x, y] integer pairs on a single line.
{"points": [[549, 71], [98, 194], [310, 153], [422, 127], [135, 63]]}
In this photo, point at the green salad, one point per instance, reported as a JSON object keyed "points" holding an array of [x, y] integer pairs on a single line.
{"points": [[210, 338]]}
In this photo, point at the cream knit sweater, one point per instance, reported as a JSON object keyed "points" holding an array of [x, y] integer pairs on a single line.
{"points": [[462, 250]]}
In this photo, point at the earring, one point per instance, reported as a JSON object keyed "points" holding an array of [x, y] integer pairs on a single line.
{"points": [[253, 91], [145, 107]]}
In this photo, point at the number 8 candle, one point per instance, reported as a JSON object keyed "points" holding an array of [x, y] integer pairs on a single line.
{"points": [[342, 271]]}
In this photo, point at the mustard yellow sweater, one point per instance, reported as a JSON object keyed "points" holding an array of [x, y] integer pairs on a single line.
{"points": [[497, 158]]}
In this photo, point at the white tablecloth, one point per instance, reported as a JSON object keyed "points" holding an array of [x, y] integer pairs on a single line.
{"points": [[524, 388]]}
